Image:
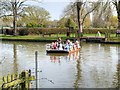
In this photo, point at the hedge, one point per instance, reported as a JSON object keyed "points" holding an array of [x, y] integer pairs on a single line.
{"points": [[37, 31], [101, 30]]}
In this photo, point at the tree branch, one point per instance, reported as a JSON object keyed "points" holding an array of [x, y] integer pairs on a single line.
{"points": [[88, 13], [5, 15], [83, 7]]}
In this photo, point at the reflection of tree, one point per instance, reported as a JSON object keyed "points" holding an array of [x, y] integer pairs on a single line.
{"points": [[118, 71], [76, 85], [118, 74], [118, 67], [15, 59], [116, 81]]}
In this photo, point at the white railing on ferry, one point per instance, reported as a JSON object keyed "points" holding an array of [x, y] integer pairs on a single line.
{"points": [[48, 46]]}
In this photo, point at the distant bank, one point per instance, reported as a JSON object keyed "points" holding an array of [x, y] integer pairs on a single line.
{"points": [[52, 39]]}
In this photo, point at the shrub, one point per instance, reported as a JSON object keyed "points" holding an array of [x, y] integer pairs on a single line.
{"points": [[23, 31], [37, 31], [95, 30], [7, 31]]}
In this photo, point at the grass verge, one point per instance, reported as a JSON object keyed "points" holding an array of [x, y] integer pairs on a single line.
{"points": [[32, 38], [54, 37]]}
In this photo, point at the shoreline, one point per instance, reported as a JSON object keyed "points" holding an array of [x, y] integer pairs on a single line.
{"points": [[49, 41], [26, 40]]}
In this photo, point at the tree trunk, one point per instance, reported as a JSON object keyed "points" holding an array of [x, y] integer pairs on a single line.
{"points": [[78, 17], [79, 4], [119, 19], [118, 12], [14, 18]]}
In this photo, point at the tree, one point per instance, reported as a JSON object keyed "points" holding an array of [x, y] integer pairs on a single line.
{"points": [[83, 9], [117, 5], [12, 8], [102, 15], [61, 22], [104, 12], [53, 24], [35, 16], [113, 21], [70, 23], [87, 22], [6, 21]]}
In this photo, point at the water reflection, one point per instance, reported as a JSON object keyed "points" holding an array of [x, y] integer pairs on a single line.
{"points": [[117, 75], [78, 73], [93, 67], [56, 58], [15, 65], [116, 81], [118, 70]]}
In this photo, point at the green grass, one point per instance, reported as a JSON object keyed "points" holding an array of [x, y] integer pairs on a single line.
{"points": [[103, 35], [33, 37], [53, 37], [114, 39]]}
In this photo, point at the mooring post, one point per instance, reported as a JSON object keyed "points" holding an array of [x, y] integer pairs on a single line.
{"points": [[9, 78], [29, 75], [22, 76], [36, 54]]}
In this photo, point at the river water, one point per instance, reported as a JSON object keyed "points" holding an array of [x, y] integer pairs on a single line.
{"points": [[95, 66]]}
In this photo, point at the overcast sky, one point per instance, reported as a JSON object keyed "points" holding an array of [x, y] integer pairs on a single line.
{"points": [[54, 7]]}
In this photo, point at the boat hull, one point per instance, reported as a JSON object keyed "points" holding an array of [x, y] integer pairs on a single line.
{"points": [[61, 51], [57, 51]]}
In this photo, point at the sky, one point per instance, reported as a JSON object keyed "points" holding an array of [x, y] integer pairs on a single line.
{"points": [[54, 7]]}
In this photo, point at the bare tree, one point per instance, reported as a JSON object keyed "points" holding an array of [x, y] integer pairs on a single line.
{"points": [[103, 14], [83, 9], [35, 16], [117, 5], [12, 8]]}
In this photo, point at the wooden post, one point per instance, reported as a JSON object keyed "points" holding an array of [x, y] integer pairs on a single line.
{"points": [[29, 74], [8, 78], [26, 81], [12, 77], [16, 76], [36, 54], [22, 75], [4, 81]]}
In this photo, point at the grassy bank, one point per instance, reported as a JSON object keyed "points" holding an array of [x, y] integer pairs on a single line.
{"points": [[112, 38], [32, 38]]}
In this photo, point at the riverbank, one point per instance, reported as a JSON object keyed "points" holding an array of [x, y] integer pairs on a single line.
{"points": [[36, 38], [30, 38], [0, 82]]}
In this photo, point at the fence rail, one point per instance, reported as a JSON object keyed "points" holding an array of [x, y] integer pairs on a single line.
{"points": [[21, 80]]}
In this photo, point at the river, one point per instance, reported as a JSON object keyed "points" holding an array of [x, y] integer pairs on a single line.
{"points": [[95, 66]]}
